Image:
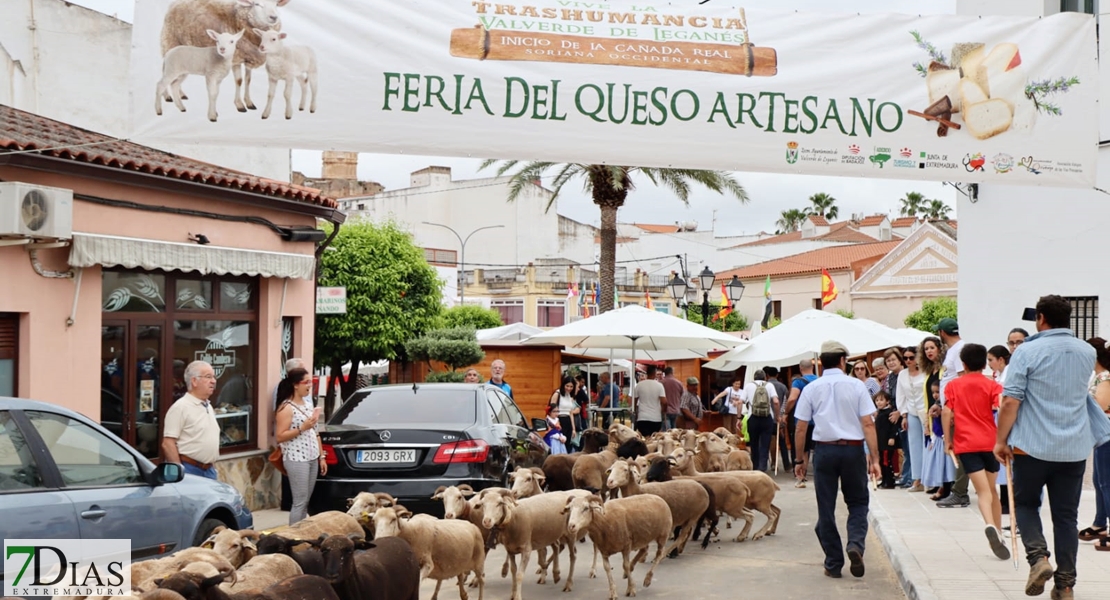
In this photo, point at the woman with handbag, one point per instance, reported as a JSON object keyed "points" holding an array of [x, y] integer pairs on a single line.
{"points": [[300, 444], [564, 406]]}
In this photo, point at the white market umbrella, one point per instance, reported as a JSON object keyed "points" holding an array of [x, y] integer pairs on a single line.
{"points": [[511, 332], [801, 336], [638, 329]]}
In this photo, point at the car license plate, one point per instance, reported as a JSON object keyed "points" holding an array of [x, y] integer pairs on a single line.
{"points": [[386, 456]]}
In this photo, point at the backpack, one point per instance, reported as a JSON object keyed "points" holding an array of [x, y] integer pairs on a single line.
{"points": [[761, 401]]}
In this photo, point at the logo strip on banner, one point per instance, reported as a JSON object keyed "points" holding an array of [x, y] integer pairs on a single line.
{"points": [[947, 98]]}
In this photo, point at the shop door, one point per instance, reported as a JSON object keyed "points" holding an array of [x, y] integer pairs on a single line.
{"points": [[131, 382]]}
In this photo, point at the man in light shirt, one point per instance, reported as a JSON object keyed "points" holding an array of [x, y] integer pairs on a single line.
{"points": [[191, 435], [651, 403]]}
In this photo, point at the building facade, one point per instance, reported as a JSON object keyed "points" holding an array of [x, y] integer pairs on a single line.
{"points": [[147, 261]]}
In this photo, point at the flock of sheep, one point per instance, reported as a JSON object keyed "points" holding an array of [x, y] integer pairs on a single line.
{"points": [[213, 38], [622, 492]]}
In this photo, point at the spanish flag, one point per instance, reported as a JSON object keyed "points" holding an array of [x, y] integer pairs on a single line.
{"points": [[828, 288], [648, 305], [726, 308]]}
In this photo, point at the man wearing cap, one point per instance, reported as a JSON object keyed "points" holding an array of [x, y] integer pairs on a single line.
{"points": [[690, 408], [841, 409], [1051, 422], [949, 331]]}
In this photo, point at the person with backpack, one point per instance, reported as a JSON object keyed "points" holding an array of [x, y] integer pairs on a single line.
{"points": [[763, 405]]}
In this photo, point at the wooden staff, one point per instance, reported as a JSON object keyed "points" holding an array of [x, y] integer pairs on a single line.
{"points": [[1013, 511], [775, 451], [502, 44]]}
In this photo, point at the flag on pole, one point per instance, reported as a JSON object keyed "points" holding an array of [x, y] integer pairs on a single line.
{"points": [[726, 307], [647, 296], [572, 290], [828, 289], [767, 304]]}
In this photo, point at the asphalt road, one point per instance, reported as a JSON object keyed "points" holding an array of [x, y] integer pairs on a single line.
{"points": [[786, 565]]}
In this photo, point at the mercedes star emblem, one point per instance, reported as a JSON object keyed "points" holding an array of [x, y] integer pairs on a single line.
{"points": [[385, 435]]}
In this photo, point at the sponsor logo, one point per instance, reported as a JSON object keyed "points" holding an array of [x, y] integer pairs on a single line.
{"points": [[936, 161], [1002, 163], [1030, 165], [880, 157], [904, 160], [974, 162], [905, 152], [67, 567], [853, 149], [791, 152]]}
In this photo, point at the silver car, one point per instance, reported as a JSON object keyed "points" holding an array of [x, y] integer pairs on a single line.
{"points": [[64, 476]]}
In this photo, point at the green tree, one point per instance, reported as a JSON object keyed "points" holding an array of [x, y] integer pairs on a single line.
{"points": [[469, 315], [823, 205], [455, 347], [733, 322], [791, 220], [609, 186], [931, 312], [847, 314], [913, 204], [393, 295], [937, 210]]}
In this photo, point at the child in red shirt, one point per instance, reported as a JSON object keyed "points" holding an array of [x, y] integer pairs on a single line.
{"points": [[970, 401]]}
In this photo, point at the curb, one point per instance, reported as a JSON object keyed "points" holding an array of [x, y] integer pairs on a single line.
{"points": [[914, 582]]}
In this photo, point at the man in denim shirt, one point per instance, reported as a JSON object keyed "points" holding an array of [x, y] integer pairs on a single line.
{"points": [[1052, 423]]}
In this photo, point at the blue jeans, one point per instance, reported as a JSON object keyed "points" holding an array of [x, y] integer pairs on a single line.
{"points": [[1101, 477], [195, 470], [846, 467], [761, 431], [671, 422], [907, 462], [915, 448], [1064, 481]]}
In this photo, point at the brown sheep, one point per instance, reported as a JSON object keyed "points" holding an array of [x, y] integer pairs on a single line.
{"points": [[687, 500]]}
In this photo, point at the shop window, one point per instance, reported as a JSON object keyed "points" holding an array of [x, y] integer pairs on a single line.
{"points": [[146, 345], [194, 295], [133, 292], [226, 345], [9, 353]]}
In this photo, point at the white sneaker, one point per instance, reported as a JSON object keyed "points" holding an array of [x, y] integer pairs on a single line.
{"points": [[997, 545]]}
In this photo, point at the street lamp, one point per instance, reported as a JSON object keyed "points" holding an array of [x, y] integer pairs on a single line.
{"points": [[462, 254]]}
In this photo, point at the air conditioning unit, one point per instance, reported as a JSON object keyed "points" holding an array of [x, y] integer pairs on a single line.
{"points": [[35, 211]]}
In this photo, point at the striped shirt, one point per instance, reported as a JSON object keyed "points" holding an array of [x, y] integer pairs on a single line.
{"points": [[1048, 374]]}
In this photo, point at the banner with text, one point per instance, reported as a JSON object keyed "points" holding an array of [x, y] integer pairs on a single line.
{"points": [[949, 98]]}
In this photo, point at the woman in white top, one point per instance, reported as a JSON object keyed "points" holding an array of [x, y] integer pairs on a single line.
{"points": [[565, 407], [300, 444], [911, 404], [732, 405]]}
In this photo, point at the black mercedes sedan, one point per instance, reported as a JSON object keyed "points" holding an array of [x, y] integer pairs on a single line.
{"points": [[409, 439]]}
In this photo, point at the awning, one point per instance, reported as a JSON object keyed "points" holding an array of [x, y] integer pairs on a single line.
{"points": [[91, 249]]}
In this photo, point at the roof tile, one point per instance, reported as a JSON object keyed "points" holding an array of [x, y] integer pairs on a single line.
{"points": [[871, 221], [657, 228], [837, 258], [903, 222], [23, 131], [818, 220]]}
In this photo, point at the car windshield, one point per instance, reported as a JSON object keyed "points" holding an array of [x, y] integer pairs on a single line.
{"points": [[399, 406]]}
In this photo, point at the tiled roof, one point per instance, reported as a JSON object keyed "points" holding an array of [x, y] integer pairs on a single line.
{"points": [[21, 131], [872, 221], [837, 258], [838, 232], [952, 223], [818, 220], [657, 228], [903, 222]]}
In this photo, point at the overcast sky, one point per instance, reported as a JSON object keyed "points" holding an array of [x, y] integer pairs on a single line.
{"points": [[769, 193]]}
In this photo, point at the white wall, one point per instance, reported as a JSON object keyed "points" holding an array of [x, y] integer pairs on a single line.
{"points": [[74, 68], [1020, 243]]}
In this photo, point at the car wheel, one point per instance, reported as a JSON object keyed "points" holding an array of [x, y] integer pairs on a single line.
{"points": [[205, 530]]}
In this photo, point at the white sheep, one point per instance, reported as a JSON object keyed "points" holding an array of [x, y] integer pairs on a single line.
{"points": [[186, 21], [445, 548], [212, 63], [331, 522], [686, 500], [287, 63], [261, 572], [622, 525], [237, 546]]}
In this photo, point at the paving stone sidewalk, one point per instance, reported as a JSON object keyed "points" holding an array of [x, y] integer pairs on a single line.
{"points": [[942, 553]]}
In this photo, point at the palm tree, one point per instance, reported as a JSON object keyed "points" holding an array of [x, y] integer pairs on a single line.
{"points": [[937, 210], [824, 205], [912, 204], [609, 186], [791, 220]]}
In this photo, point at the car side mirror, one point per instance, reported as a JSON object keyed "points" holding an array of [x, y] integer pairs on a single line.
{"points": [[539, 425], [168, 473]]}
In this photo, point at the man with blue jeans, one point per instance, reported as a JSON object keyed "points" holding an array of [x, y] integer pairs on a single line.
{"points": [[1051, 423], [190, 433], [841, 408]]}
